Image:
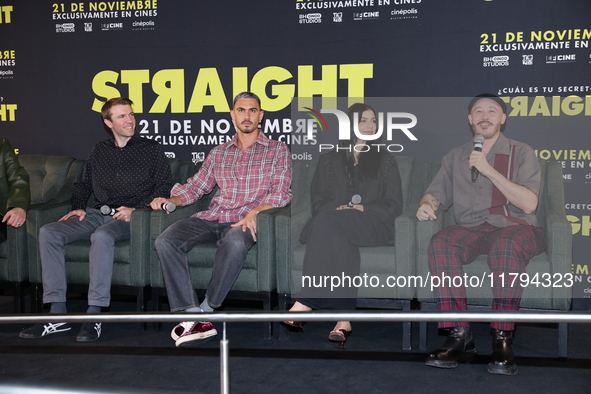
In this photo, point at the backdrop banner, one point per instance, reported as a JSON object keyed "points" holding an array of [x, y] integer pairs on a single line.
{"points": [[183, 61]]}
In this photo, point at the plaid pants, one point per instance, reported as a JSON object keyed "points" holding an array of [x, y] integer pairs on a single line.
{"points": [[509, 250]]}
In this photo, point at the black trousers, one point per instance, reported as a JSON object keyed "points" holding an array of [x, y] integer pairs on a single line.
{"points": [[332, 255]]}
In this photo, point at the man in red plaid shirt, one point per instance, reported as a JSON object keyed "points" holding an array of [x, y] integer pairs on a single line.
{"points": [[494, 207], [253, 174]]}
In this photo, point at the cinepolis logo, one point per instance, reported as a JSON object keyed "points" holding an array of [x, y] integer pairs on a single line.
{"points": [[392, 123]]}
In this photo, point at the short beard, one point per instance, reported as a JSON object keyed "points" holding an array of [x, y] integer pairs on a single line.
{"points": [[248, 131]]}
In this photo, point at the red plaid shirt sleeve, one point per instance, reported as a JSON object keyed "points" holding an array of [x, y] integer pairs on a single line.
{"points": [[260, 175]]}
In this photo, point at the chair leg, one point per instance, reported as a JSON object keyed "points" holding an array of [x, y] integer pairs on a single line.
{"points": [[157, 306], [424, 326], [141, 305], [406, 328], [36, 298], [267, 326], [140, 299], [423, 335], [19, 298], [283, 332], [563, 340]]}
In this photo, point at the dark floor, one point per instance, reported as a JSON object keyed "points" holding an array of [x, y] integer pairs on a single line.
{"points": [[128, 360]]}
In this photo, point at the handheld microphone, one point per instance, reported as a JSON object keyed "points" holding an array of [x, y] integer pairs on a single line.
{"points": [[478, 141], [107, 210], [168, 206], [356, 199]]}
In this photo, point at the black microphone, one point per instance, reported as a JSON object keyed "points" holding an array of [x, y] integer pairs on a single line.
{"points": [[107, 210], [478, 141], [168, 206], [356, 199]]}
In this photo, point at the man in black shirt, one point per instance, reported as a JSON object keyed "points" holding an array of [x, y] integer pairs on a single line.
{"points": [[124, 172]]}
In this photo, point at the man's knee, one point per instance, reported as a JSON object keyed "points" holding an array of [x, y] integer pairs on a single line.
{"points": [[102, 238], [162, 242], [237, 240], [439, 241], [509, 242], [48, 236]]}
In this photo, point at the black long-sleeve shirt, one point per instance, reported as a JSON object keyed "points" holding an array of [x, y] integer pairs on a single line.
{"points": [[131, 176]]}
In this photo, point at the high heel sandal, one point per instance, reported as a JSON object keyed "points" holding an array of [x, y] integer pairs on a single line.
{"points": [[340, 336]]}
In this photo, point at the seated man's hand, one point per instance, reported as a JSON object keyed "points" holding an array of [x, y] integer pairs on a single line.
{"points": [[123, 213], [249, 222], [77, 212], [359, 207], [425, 212], [156, 203], [15, 217]]}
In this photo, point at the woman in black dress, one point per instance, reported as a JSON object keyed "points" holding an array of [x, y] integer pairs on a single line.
{"points": [[339, 226]]}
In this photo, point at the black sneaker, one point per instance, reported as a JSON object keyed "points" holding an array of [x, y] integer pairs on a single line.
{"points": [[44, 329], [89, 332]]}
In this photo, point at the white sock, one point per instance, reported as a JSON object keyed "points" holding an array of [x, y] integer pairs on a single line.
{"points": [[205, 306]]}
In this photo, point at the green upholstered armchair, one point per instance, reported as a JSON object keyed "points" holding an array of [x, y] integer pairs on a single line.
{"points": [[257, 278], [381, 261], [555, 261], [50, 179], [131, 269]]}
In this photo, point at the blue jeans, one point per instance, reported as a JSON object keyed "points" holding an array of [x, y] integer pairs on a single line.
{"points": [[102, 231], [178, 239]]}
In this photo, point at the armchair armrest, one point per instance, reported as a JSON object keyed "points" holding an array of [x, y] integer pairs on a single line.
{"points": [[559, 240], [140, 246], [37, 218], [283, 240], [424, 231], [16, 239], [159, 221], [266, 260], [558, 235], [405, 249]]}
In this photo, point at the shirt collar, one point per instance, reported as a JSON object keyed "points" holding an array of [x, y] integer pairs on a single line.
{"points": [[261, 139], [501, 146], [133, 140]]}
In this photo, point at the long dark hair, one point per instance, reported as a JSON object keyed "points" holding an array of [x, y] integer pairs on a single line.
{"points": [[368, 162]]}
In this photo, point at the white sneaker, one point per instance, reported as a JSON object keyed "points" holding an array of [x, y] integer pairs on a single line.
{"points": [[190, 334], [44, 329]]}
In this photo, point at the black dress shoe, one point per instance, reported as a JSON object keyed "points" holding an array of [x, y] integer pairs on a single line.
{"points": [[89, 332], [502, 361], [458, 348], [293, 325]]}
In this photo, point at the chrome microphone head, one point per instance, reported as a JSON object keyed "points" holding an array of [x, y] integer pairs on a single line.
{"points": [[106, 210], [478, 139], [356, 199], [169, 206]]}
